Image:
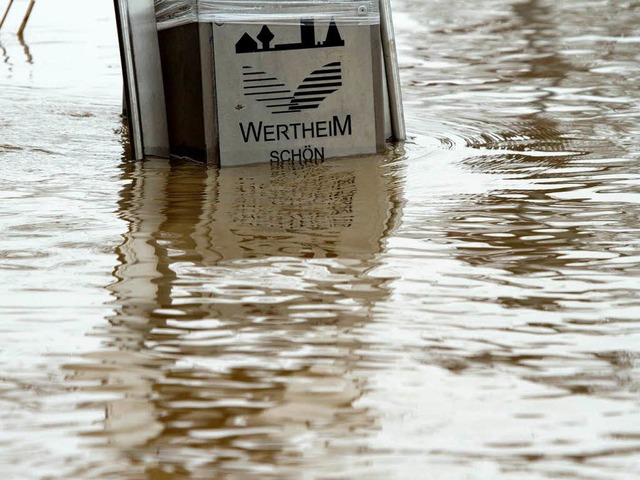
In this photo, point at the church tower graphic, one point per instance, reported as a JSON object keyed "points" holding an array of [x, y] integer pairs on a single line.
{"points": [[247, 44]]}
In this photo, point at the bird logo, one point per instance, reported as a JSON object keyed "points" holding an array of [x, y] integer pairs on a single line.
{"points": [[280, 99]]}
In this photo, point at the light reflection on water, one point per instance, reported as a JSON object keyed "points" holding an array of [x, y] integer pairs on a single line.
{"points": [[465, 309]]}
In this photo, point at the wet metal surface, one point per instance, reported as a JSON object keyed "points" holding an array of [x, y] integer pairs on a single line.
{"points": [[465, 309]]}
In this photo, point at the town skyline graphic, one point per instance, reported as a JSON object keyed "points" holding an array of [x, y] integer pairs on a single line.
{"points": [[247, 44]]}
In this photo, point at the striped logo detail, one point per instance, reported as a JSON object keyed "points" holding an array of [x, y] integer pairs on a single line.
{"points": [[279, 99]]}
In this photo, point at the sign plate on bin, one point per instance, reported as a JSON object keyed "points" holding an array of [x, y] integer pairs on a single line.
{"points": [[297, 92]]}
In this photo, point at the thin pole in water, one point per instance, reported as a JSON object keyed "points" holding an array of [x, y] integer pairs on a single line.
{"points": [[26, 18], [6, 12]]}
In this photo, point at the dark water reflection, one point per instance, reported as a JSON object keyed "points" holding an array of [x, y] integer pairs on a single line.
{"points": [[465, 309]]}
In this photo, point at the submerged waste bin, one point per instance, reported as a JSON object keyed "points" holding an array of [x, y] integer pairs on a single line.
{"points": [[265, 81]]}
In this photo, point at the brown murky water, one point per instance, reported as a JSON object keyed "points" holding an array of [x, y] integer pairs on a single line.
{"points": [[467, 309]]}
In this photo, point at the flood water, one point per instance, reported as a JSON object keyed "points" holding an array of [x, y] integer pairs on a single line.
{"points": [[465, 308]]}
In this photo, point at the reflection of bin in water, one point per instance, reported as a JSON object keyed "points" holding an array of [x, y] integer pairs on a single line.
{"points": [[335, 210], [195, 240], [249, 82]]}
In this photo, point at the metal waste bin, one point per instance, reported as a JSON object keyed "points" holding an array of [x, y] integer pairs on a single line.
{"points": [[271, 80]]}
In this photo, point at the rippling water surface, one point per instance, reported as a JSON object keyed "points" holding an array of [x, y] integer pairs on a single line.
{"points": [[465, 308]]}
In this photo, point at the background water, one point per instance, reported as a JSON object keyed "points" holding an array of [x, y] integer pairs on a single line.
{"points": [[466, 309]]}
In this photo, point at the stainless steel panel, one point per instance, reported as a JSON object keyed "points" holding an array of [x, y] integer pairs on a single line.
{"points": [[143, 74], [297, 92]]}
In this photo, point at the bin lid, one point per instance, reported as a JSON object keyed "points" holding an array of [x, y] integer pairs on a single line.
{"points": [[172, 13]]}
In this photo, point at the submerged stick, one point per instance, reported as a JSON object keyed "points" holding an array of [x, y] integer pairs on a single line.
{"points": [[6, 12], [26, 17]]}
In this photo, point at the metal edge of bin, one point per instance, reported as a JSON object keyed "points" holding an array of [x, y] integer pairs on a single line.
{"points": [[392, 71], [145, 116], [209, 103], [130, 90], [142, 73], [379, 85]]}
